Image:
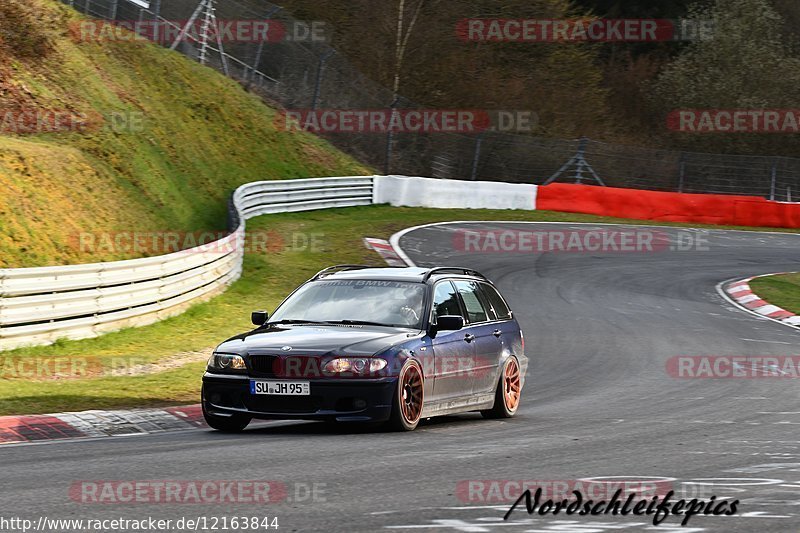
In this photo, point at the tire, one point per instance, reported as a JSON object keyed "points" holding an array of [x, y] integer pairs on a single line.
{"points": [[408, 399], [226, 424], [508, 393]]}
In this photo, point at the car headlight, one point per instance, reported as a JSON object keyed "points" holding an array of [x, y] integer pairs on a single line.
{"points": [[222, 361], [354, 365]]}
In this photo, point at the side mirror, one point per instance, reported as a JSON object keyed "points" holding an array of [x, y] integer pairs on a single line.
{"points": [[259, 318], [450, 323]]}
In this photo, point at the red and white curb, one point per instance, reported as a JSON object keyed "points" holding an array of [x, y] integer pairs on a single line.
{"points": [[93, 424], [740, 293], [386, 251]]}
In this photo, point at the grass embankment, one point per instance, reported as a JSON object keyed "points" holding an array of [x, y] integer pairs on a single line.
{"points": [[165, 141], [782, 290], [267, 278]]}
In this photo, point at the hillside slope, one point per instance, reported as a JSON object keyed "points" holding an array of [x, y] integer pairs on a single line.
{"points": [[151, 142]]}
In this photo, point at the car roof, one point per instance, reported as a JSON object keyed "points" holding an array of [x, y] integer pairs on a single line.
{"points": [[408, 274]]}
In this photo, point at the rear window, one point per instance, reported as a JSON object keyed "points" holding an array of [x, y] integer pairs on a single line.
{"points": [[498, 306], [476, 311]]}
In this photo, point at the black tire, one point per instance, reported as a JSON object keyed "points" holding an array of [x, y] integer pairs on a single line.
{"points": [[409, 399], [504, 406], [226, 424]]}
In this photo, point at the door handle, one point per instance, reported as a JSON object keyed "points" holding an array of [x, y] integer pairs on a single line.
{"points": [[497, 333], [469, 337]]}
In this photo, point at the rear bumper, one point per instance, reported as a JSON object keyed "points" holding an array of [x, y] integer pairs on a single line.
{"points": [[344, 400]]}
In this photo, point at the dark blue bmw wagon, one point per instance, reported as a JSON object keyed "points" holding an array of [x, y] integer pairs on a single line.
{"points": [[364, 344]]}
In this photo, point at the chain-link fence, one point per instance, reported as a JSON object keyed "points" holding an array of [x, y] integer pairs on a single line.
{"points": [[308, 74]]}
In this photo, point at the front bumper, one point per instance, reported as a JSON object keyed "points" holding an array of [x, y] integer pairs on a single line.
{"points": [[343, 400]]}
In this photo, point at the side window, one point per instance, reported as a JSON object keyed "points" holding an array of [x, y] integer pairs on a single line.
{"points": [[445, 300], [498, 305], [476, 310]]}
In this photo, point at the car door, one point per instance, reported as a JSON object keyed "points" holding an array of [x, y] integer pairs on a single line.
{"points": [[484, 333], [453, 353]]}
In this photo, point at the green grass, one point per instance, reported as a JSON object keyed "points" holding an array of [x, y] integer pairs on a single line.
{"points": [[267, 278], [782, 290]]}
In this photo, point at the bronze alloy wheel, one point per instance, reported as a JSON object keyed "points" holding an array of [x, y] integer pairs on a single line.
{"points": [[411, 394], [511, 385], [408, 398], [508, 393]]}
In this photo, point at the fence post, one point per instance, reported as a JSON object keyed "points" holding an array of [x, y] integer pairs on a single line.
{"points": [[682, 172], [579, 166], [320, 72], [156, 5], [113, 10], [86, 7], [774, 179], [387, 164], [477, 155], [260, 50]]}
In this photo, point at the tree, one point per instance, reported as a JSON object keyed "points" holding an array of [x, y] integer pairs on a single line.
{"points": [[746, 65]]}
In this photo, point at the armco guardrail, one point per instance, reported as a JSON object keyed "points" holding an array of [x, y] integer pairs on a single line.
{"points": [[40, 305]]}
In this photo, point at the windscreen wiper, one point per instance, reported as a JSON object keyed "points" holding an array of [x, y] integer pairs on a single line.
{"points": [[358, 323], [297, 321]]}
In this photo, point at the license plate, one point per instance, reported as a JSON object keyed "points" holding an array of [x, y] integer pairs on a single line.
{"points": [[282, 388]]}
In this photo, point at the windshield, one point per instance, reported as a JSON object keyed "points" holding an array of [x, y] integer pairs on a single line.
{"points": [[386, 303]]}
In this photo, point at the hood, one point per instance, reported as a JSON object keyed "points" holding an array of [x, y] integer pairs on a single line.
{"points": [[316, 340]]}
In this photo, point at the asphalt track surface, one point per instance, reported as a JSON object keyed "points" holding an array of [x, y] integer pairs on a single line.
{"points": [[599, 327]]}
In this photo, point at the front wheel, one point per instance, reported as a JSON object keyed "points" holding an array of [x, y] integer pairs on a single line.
{"points": [[509, 389], [408, 399]]}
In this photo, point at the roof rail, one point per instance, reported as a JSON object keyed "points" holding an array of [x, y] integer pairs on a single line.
{"points": [[453, 270], [330, 269]]}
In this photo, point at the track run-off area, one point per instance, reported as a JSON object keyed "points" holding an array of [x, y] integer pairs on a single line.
{"points": [[602, 401]]}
